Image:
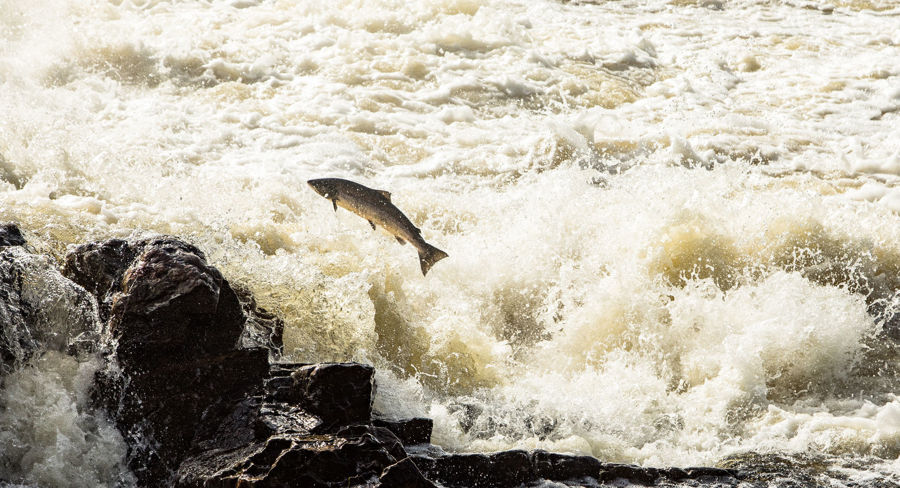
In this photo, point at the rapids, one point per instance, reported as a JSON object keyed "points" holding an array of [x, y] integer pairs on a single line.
{"points": [[672, 225]]}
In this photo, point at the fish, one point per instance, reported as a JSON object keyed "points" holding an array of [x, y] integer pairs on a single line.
{"points": [[375, 206]]}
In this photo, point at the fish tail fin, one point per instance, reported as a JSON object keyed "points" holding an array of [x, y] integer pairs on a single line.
{"points": [[429, 255]]}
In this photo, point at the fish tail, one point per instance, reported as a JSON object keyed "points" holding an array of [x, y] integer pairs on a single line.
{"points": [[428, 255]]}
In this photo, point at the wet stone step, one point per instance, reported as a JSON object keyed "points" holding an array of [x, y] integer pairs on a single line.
{"points": [[285, 369], [553, 466], [502, 469], [337, 393], [410, 431], [516, 467]]}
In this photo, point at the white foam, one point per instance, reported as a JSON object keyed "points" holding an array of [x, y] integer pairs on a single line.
{"points": [[48, 434]]}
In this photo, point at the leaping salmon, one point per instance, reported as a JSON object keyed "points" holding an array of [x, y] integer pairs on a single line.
{"points": [[376, 207]]}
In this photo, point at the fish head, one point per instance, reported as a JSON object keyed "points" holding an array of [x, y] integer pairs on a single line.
{"points": [[324, 187]]}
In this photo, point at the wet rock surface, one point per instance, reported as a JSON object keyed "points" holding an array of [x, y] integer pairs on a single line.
{"points": [[310, 426], [262, 328], [762, 470], [409, 431], [173, 329], [10, 235], [194, 382], [352, 457], [518, 468], [99, 267], [16, 341], [40, 310]]}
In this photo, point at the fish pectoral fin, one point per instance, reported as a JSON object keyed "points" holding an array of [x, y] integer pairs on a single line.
{"points": [[372, 224], [400, 240], [385, 194], [334, 202]]}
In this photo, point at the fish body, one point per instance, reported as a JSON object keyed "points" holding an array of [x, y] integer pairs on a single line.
{"points": [[376, 207]]}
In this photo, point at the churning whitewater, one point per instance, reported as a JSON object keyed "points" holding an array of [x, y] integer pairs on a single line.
{"points": [[673, 225]]}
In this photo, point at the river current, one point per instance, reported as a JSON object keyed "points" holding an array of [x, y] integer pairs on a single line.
{"points": [[672, 225]]}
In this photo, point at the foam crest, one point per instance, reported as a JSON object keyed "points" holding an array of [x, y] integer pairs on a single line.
{"points": [[637, 395]]}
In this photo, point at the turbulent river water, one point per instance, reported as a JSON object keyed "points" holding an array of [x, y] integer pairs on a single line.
{"points": [[672, 225]]}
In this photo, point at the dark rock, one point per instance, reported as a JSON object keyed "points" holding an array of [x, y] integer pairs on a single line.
{"points": [[280, 386], [320, 461], [634, 474], [675, 474], [501, 469], [198, 402], [262, 328], [166, 407], [285, 369], [337, 393], [40, 309], [16, 341], [403, 474], [10, 235], [174, 306], [175, 324], [515, 468], [269, 440], [409, 431], [283, 418], [99, 267], [774, 468], [252, 420], [388, 441], [219, 467], [293, 460], [707, 472], [228, 426], [559, 467]]}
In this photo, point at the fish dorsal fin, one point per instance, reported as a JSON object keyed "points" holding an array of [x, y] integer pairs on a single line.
{"points": [[385, 194]]}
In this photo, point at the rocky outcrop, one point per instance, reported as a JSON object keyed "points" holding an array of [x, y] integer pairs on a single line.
{"points": [[174, 324], [99, 267], [195, 395], [39, 308], [312, 426], [195, 382], [354, 456]]}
